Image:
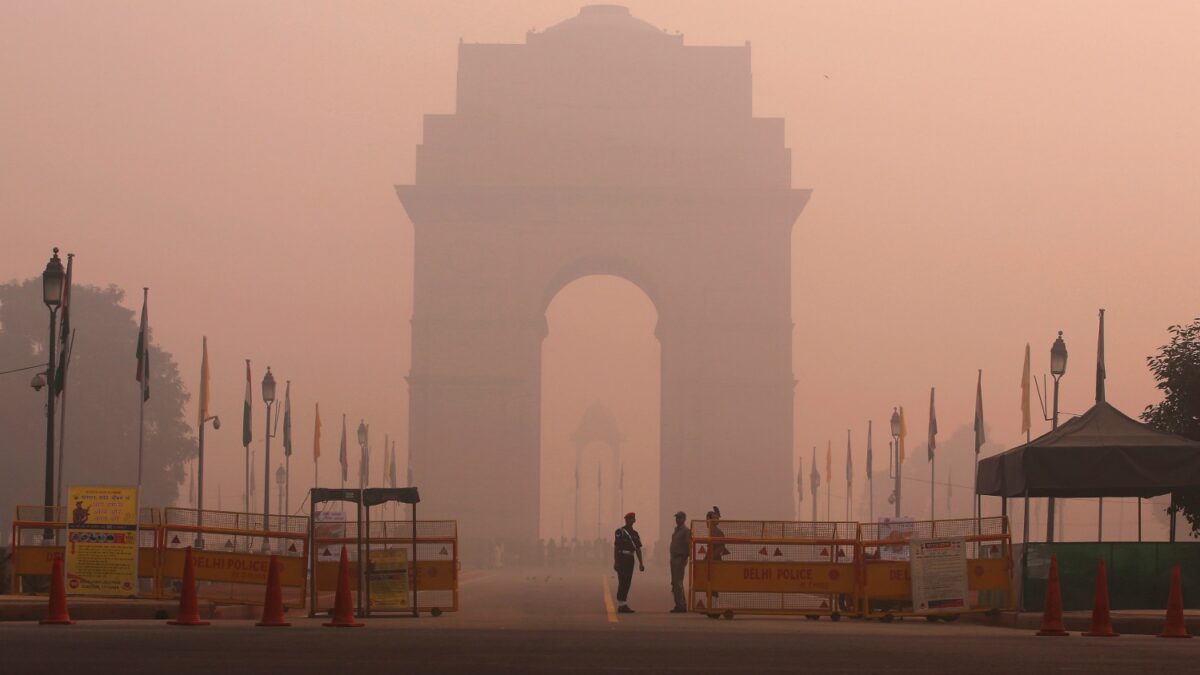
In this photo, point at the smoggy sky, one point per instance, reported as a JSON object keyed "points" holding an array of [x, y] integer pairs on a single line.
{"points": [[983, 174]]}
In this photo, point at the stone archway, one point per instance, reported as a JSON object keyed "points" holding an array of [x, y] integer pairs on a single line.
{"points": [[601, 145]]}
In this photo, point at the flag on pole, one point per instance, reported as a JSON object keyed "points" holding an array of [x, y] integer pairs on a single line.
{"points": [[253, 482], [392, 469], [317, 433], [60, 375], [204, 382], [287, 420], [903, 435], [849, 462], [342, 457], [387, 458], [814, 476], [869, 452], [932, 426], [1026, 420], [1101, 375], [979, 433], [143, 349], [247, 434], [800, 478], [364, 462]]}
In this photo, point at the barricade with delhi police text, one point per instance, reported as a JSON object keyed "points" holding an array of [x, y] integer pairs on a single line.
{"points": [[837, 569]]}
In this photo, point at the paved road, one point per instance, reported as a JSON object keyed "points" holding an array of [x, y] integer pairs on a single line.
{"points": [[559, 623]]}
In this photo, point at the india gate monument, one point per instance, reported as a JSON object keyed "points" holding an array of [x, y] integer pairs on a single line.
{"points": [[602, 145]]}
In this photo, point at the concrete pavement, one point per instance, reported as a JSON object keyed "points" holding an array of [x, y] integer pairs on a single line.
{"points": [[559, 622]]}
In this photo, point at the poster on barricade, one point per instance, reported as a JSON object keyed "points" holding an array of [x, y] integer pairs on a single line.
{"points": [[387, 579], [330, 526], [898, 529], [102, 541], [939, 575]]}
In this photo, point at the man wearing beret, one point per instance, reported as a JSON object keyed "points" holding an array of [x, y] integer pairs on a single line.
{"points": [[681, 546], [627, 544]]}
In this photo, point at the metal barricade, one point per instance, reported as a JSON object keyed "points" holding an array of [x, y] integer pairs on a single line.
{"points": [[231, 554], [773, 567], [434, 566], [33, 552], [886, 580]]}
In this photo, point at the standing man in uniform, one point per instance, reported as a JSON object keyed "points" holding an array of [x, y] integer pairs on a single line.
{"points": [[627, 544], [681, 546]]}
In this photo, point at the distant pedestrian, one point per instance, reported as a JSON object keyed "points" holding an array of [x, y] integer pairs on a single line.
{"points": [[681, 547], [627, 544]]}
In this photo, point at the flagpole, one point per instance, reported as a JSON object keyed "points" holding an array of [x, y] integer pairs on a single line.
{"points": [[142, 390]]}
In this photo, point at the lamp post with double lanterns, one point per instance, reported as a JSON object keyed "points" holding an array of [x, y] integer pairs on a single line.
{"points": [[896, 445], [1058, 367], [268, 395], [53, 279]]}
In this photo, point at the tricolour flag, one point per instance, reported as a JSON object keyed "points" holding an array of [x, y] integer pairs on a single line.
{"points": [[932, 426], [903, 435], [1101, 375], [364, 461], [829, 461], [287, 419], [317, 433], [205, 384], [1026, 420], [387, 458], [247, 434], [143, 349], [342, 457], [979, 434]]}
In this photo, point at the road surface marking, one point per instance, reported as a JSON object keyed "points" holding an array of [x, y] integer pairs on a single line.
{"points": [[608, 602]]}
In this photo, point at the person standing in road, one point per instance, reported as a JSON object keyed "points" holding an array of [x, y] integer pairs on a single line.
{"points": [[627, 544], [681, 546]]}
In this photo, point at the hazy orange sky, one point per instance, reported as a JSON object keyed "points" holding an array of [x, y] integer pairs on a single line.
{"points": [[983, 174]]}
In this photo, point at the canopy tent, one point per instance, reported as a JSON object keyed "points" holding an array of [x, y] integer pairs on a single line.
{"points": [[1101, 453]]}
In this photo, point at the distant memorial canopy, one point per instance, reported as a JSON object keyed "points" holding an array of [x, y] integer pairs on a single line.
{"points": [[603, 145]]}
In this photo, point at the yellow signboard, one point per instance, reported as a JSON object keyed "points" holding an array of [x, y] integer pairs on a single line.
{"points": [[387, 579], [102, 541]]}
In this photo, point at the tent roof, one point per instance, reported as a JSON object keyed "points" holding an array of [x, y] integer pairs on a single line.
{"points": [[1101, 453]]}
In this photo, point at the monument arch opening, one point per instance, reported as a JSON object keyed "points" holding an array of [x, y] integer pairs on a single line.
{"points": [[601, 145], [600, 410]]}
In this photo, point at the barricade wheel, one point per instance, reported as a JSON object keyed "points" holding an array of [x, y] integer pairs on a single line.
{"points": [[812, 617], [436, 611], [931, 618], [950, 617], [836, 616], [887, 618], [729, 614], [713, 615]]}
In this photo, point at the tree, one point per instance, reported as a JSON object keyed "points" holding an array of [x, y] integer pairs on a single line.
{"points": [[102, 401], [1176, 369]]}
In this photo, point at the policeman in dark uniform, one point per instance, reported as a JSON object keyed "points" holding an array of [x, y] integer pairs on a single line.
{"points": [[681, 548], [627, 544]]}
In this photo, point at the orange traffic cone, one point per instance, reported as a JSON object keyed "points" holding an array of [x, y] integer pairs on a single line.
{"points": [[189, 608], [1052, 624], [343, 609], [1175, 627], [57, 614], [1101, 622], [273, 602]]}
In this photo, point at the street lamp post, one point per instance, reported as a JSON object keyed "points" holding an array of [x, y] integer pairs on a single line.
{"points": [[52, 294], [216, 422], [1058, 367], [268, 395], [896, 444]]}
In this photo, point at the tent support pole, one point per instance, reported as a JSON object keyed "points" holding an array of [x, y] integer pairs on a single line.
{"points": [[1172, 509], [1100, 522], [1024, 548], [1139, 520]]}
